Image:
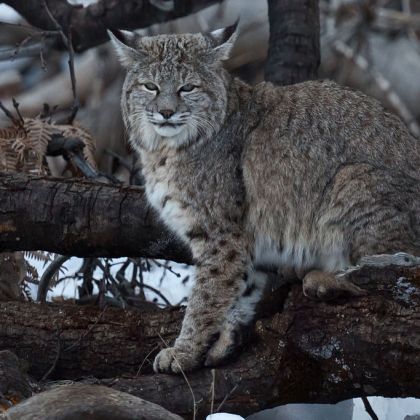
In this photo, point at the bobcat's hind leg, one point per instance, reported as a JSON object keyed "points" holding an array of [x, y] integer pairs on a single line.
{"points": [[321, 285], [237, 326]]}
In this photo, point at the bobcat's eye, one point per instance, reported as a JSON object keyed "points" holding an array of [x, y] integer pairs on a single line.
{"points": [[187, 88], [152, 87]]}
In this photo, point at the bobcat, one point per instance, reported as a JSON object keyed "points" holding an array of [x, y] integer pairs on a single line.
{"points": [[310, 177]]}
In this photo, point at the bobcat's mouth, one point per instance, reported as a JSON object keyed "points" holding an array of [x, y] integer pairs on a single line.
{"points": [[168, 124], [168, 129]]}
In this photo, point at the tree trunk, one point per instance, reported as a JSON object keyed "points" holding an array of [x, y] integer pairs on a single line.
{"points": [[88, 24], [82, 218], [308, 352], [293, 54]]}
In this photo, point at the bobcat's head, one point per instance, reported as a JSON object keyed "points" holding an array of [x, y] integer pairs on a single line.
{"points": [[175, 89]]}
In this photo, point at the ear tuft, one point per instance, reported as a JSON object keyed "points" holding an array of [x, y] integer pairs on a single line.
{"points": [[124, 42], [223, 40]]}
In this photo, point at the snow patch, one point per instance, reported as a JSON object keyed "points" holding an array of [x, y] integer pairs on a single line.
{"points": [[7, 14], [169, 284], [224, 416]]}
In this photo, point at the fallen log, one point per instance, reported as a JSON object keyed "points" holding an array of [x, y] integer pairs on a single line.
{"points": [[81, 218], [306, 352]]}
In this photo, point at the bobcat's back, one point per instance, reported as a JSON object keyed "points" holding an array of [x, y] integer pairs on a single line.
{"points": [[322, 169]]}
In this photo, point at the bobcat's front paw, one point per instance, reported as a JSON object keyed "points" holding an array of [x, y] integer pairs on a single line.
{"points": [[176, 360]]}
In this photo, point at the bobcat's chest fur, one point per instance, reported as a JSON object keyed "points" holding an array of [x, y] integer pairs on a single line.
{"points": [[162, 192]]}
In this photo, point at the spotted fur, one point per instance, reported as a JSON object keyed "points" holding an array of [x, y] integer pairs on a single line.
{"points": [[309, 177]]}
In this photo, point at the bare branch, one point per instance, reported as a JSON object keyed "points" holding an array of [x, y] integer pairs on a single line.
{"points": [[28, 51], [88, 24], [8, 114], [23, 50], [68, 42], [369, 408]]}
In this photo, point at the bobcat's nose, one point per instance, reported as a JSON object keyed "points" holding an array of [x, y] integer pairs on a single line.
{"points": [[166, 113]]}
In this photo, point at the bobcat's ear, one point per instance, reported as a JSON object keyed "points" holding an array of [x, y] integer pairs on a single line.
{"points": [[223, 40], [124, 43]]}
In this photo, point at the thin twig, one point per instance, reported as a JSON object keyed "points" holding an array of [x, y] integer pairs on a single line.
{"points": [[16, 106], [88, 330], [41, 55], [226, 397], [8, 114], [67, 40], [37, 31], [23, 50], [185, 377], [113, 285], [166, 267], [28, 51], [57, 356], [122, 161], [144, 360], [76, 104], [369, 408], [213, 375], [162, 277], [47, 277], [141, 280], [55, 22], [21, 45], [120, 276], [157, 292]]}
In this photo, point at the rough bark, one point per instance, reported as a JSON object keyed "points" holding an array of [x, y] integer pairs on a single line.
{"points": [[14, 385], [307, 352], [79, 401], [75, 217], [294, 53], [88, 25]]}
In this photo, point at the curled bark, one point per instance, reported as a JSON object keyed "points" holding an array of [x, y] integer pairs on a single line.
{"points": [[308, 352]]}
